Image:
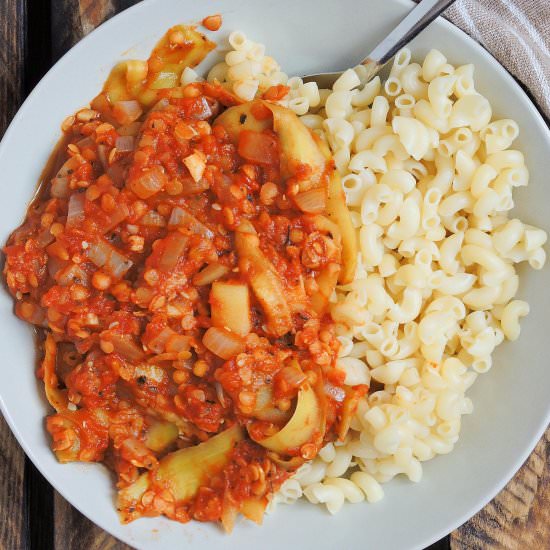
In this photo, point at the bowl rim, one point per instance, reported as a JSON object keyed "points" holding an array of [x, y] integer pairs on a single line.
{"points": [[500, 70]]}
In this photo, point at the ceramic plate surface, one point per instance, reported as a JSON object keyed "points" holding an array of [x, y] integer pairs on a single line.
{"points": [[511, 402]]}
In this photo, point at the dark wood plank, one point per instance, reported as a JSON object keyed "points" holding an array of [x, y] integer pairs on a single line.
{"points": [[38, 58], [38, 509], [73, 19], [12, 521], [13, 16], [443, 544], [519, 516], [12, 49], [73, 531]]}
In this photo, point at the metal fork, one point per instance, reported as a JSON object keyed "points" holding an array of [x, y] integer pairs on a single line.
{"points": [[416, 21]]}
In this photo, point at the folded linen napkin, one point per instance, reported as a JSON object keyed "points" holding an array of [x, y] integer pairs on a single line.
{"points": [[517, 34]]}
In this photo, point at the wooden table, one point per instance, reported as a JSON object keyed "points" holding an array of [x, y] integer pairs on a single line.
{"points": [[33, 35]]}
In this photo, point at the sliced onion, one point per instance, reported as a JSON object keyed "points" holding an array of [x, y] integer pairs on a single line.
{"points": [[60, 187], [131, 129], [223, 343], [126, 112], [68, 274], [125, 144], [157, 343], [45, 238], [220, 395], [177, 343], [161, 105], [69, 167], [118, 215], [102, 254], [152, 219], [86, 142], [102, 154], [292, 375], [182, 218], [313, 201], [209, 274], [75, 212], [196, 164], [176, 243], [202, 112], [192, 187], [125, 346], [117, 172], [149, 182], [54, 265], [338, 394]]}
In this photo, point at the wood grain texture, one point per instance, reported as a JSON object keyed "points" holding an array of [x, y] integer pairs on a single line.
{"points": [[12, 495], [519, 516], [75, 532], [13, 532], [32, 515]]}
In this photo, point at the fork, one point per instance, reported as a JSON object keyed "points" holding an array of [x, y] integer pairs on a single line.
{"points": [[416, 21]]}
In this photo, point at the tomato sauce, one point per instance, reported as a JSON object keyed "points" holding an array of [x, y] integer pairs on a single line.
{"points": [[116, 261]]}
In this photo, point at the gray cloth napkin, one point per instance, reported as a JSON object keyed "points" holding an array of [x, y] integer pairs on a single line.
{"points": [[517, 33]]}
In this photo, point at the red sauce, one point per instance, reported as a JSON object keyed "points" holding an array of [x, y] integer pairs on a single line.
{"points": [[105, 264]]}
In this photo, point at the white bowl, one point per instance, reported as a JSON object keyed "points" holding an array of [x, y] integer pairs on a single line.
{"points": [[512, 407]]}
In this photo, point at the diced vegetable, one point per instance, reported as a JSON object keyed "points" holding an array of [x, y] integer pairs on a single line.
{"points": [[68, 274], [125, 144], [157, 344], [175, 243], [131, 129], [326, 281], [75, 211], [260, 148], [104, 255], [153, 219], [312, 201], [192, 187], [230, 307], [264, 280], [118, 215], [60, 187], [126, 112], [195, 163], [209, 274], [223, 343], [126, 347], [182, 218], [149, 182], [69, 166]]}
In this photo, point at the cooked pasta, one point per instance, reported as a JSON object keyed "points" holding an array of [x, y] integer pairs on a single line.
{"points": [[437, 255]]}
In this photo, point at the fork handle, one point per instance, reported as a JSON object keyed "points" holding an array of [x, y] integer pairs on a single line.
{"points": [[417, 20]]}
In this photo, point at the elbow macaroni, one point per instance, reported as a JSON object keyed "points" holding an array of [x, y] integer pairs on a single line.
{"points": [[428, 177]]}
